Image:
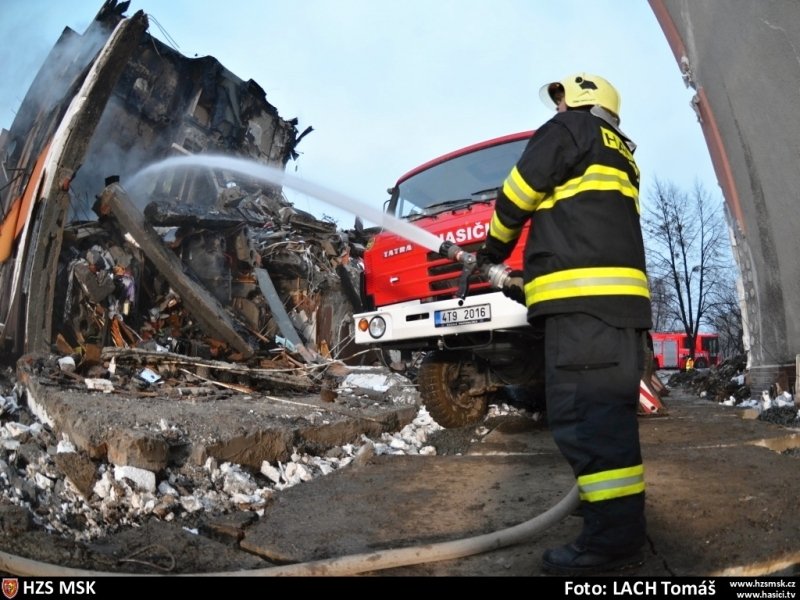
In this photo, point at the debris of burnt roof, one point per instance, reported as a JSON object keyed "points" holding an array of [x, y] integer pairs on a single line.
{"points": [[272, 271], [140, 101], [206, 263]]}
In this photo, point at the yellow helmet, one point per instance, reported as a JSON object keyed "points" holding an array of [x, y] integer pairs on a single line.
{"points": [[582, 89]]}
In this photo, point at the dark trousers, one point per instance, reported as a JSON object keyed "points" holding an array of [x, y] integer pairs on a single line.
{"points": [[592, 374]]}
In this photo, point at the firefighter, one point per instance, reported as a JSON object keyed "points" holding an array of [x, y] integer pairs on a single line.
{"points": [[585, 287]]}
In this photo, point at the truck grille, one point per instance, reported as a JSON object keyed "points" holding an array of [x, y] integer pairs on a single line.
{"points": [[443, 274]]}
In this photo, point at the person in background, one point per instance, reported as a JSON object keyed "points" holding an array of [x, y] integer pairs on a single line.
{"points": [[585, 286]]}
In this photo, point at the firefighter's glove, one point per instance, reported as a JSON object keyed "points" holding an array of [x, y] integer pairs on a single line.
{"points": [[485, 257], [514, 287]]}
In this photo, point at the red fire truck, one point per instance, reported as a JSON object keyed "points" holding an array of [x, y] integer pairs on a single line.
{"points": [[418, 300], [672, 348]]}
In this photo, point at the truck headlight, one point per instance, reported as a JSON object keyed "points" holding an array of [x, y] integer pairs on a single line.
{"points": [[377, 327]]}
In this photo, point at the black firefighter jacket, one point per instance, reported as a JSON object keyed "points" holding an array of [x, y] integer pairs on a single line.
{"points": [[578, 182]]}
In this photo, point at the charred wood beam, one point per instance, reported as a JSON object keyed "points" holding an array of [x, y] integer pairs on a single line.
{"points": [[349, 289], [67, 151], [211, 315], [169, 213]]}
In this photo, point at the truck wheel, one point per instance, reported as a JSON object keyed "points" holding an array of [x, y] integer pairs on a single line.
{"points": [[700, 363], [452, 390]]}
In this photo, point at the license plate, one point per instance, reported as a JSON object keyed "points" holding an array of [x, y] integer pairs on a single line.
{"points": [[462, 315]]}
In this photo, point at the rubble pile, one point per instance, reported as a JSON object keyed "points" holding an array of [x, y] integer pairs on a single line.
{"points": [[716, 383], [727, 385], [68, 494], [252, 251]]}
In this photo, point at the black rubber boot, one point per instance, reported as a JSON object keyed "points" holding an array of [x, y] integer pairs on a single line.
{"points": [[574, 559]]}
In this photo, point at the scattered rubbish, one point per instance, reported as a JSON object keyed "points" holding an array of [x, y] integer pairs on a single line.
{"points": [[65, 447], [781, 415], [103, 385], [142, 479], [67, 364], [149, 376], [8, 405]]}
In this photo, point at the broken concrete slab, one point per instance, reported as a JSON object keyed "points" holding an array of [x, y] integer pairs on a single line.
{"points": [[141, 479], [690, 530], [153, 431], [139, 449], [718, 504]]}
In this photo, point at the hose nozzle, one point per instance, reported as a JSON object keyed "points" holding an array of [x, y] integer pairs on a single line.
{"points": [[456, 253], [498, 276], [468, 262]]}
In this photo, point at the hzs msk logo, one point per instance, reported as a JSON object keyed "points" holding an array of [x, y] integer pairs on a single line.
{"points": [[10, 587]]}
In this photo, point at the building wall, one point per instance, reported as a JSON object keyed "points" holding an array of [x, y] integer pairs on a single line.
{"points": [[743, 59]]}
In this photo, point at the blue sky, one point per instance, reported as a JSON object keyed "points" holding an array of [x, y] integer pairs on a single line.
{"points": [[390, 84]]}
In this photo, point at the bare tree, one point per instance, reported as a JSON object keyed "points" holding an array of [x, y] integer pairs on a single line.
{"points": [[726, 316], [661, 300], [688, 258]]}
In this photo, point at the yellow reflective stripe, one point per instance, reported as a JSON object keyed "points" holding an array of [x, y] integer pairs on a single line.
{"points": [[597, 178], [520, 193], [501, 232], [597, 281], [615, 483]]}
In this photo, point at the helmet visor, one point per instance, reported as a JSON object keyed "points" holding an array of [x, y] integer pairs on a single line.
{"points": [[551, 94]]}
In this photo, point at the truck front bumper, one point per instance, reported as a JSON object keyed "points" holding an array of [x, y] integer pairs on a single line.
{"points": [[423, 321]]}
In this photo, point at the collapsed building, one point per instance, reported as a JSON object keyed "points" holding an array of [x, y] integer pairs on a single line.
{"points": [[221, 265], [150, 321]]}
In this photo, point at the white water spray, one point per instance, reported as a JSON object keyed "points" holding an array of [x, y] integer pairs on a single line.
{"points": [[279, 177]]}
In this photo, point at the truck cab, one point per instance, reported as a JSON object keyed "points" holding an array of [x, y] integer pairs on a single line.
{"points": [[473, 345]]}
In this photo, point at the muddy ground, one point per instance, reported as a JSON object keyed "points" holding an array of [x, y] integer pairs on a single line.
{"points": [[721, 500]]}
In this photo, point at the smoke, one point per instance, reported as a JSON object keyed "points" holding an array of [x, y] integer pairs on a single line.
{"points": [[29, 29]]}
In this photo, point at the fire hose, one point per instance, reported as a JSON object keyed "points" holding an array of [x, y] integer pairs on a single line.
{"points": [[345, 565]]}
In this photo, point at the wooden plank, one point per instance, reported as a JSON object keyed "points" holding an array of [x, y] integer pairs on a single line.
{"points": [[203, 306]]}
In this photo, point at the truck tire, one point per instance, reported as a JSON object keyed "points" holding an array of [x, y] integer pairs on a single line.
{"points": [[447, 383]]}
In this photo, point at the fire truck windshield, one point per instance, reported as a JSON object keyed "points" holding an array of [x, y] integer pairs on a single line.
{"points": [[458, 178]]}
